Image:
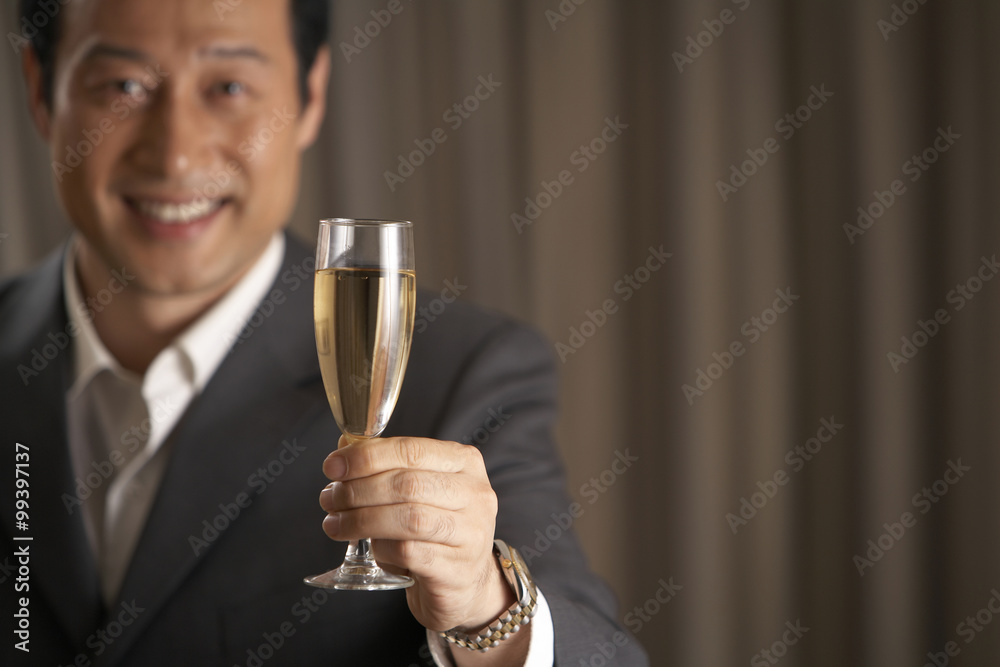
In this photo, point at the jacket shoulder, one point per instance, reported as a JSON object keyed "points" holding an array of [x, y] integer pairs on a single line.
{"points": [[459, 329], [28, 301]]}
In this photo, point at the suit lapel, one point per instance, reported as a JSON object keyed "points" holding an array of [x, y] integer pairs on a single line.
{"points": [[263, 394], [63, 568]]}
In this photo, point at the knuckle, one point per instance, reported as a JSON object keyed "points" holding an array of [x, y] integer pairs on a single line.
{"points": [[473, 458], [491, 502], [411, 452], [423, 524], [345, 496], [443, 529], [447, 487], [415, 519], [329, 496], [408, 486], [407, 551], [413, 553], [363, 461]]}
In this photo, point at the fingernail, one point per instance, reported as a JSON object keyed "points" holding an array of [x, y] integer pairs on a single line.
{"points": [[331, 524], [335, 467]]}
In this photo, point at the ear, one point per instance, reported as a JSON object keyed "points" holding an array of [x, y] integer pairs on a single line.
{"points": [[40, 111], [312, 115]]}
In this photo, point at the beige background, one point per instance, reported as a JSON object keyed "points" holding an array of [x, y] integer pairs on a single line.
{"points": [[827, 356]]}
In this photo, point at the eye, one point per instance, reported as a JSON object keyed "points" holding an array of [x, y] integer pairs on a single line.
{"points": [[230, 88], [132, 88]]}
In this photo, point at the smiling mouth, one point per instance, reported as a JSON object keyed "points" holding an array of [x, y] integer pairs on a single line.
{"points": [[169, 213]]}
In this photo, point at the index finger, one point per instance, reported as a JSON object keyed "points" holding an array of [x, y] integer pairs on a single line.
{"points": [[369, 457]]}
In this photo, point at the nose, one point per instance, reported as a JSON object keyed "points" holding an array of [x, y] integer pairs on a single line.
{"points": [[174, 139]]}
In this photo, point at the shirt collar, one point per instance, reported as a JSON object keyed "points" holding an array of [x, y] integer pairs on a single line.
{"points": [[203, 345], [206, 342], [90, 354]]}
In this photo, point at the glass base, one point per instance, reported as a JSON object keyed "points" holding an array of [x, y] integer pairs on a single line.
{"points": [[359, 572], [346, 578]]}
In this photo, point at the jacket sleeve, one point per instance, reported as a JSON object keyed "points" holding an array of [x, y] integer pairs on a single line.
{"points": [[504, 401]]}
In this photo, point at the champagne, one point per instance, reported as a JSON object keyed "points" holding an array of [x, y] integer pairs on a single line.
{"points": [[363, 311], [364, 325]]}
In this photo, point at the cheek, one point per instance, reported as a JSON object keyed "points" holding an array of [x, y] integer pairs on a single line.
{"points": [[273, 176], [82, 152]]}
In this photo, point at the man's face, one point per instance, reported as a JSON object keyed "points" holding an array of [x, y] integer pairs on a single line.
{"points": [[175, 136]]}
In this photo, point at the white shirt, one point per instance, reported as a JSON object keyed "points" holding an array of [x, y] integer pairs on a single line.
{"points": [[138, 457], [120, 480]]}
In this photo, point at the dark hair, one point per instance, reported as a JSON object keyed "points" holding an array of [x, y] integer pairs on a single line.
{"points": [[309, 32]]}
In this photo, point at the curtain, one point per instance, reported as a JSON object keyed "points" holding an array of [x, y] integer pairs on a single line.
{"points": [[761, 237]]}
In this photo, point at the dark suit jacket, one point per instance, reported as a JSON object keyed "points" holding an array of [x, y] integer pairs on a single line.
{"points": [[208, 586]]}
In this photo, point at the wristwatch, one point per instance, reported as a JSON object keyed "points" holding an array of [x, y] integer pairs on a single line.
{"points": [[518, 614]]}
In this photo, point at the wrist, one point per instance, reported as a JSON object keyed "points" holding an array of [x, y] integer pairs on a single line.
{"points": [[496, 596], [519, 580]]}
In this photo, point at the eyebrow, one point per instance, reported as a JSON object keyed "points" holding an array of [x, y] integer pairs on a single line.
{"points": [[111, 51], [223, 52], [227, 52]]}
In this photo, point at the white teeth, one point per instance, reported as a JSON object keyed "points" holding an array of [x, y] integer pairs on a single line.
{"points": [[174, 214]]}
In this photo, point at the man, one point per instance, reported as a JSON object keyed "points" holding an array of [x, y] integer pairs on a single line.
{"points": [[160, 384]]}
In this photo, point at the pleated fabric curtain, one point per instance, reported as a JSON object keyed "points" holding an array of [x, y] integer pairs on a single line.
{"points": [[804, 393]]}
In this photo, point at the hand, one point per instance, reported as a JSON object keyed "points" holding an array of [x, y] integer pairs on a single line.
{"points": [[431, 513]]}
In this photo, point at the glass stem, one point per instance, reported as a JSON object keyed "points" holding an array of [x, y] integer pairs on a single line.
{"points": [[359, 554]]}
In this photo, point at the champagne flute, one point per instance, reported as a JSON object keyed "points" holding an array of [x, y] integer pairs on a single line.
{"points": [[364, 307]]}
